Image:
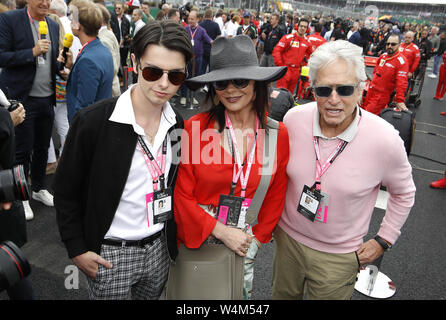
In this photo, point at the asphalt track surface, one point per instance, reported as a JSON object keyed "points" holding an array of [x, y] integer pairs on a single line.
{"points": [[416, 264]]}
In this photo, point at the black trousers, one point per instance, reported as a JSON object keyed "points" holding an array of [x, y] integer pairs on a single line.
{"points": [[33, 139]]}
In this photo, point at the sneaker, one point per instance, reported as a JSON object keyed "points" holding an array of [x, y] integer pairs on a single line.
{"points": [[183, 101], [45, 197], [433, 76], [29, 214], [194, 101]]}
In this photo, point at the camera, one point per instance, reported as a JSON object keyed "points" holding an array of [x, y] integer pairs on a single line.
{"points": [[14, 104], [13, 265], [13, 185], [9, 104]]}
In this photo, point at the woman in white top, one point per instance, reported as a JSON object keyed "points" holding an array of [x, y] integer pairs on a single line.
{"points": [[231, 28]]}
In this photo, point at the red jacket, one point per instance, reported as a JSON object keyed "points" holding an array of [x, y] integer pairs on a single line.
{"points": [[316, 40], [390, 74], [291, 50], [202, 181], [412, 54]]}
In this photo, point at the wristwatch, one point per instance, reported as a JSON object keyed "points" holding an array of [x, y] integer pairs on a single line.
{"points": [[383, 243]]}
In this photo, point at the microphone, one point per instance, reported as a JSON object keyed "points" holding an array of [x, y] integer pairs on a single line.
{"points": [[43, 30], [67, 42]]}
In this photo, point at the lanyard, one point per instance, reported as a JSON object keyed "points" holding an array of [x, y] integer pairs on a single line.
{"points": [[155, 171], [322, 168], [238, 174], [32, 23], [192, 35], [85, 44]]}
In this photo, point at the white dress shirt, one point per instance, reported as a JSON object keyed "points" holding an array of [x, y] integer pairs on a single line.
{"points": [[131, 221]]}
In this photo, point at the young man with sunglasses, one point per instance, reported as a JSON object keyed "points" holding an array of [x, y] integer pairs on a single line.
{"points": [[119, 163], [390, 74], [339, 157]]}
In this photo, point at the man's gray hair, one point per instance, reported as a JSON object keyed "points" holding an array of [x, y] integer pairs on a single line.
{"points": [[334, 50], [59, 6]]}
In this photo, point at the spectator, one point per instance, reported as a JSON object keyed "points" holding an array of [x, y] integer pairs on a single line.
{"points": [[355, 36], [59, 8], [318, 253], [165, 9], [213, 31], [438, 55], [123, 36], [91, 77], [145, 8], [109, 40], [198, 37], [271, 36], [29, 75], [353, 29], [174, 14], [137, 20], [248, 28], [233, 24], [111, 232]]}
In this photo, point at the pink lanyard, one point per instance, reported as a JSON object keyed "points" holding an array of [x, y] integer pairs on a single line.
{"points": [[32, 23], [85, 44], [238, 174], [155, 171], [322, 168]]}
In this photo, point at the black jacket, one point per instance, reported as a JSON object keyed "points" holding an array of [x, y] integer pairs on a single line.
{"points": [[16, 57], [91, 177]]}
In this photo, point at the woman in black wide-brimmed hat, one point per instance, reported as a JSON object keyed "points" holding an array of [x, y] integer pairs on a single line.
{"points": [[222, 160]]}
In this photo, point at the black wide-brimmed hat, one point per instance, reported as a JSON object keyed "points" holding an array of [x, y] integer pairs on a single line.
{"points": [[235, 58]]}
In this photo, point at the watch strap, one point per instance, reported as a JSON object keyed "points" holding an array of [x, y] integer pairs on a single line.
{"points": [[382, 243]]}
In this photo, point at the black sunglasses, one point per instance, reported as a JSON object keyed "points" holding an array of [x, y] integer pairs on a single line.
{"points": [[391, 44], [238, 83], [154, 73], [342, 90]]}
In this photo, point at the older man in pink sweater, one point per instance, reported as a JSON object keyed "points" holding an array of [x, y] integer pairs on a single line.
{"points": [[339, 157]]}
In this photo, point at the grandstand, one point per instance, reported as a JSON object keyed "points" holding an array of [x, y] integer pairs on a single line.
{"points": [[419, 11]]}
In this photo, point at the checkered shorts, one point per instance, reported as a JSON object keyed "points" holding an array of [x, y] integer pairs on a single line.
{"points": [[138, 273]]}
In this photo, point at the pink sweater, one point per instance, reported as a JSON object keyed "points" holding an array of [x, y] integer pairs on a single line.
{"points": [[376, 155]]}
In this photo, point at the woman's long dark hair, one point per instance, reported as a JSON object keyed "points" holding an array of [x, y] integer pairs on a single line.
{"points": [[261, 105]]}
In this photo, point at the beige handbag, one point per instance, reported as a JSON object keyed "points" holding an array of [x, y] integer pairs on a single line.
{"points": [[213, 271]]}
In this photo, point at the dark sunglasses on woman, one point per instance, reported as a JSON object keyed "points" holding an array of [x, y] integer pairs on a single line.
{"points": [[238, 83], [342, 90], [153, 73]]}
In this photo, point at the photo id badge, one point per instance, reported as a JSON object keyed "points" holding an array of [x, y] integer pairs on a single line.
{"points": [[242, 219], [322, 212], [192, 42], [309, 202], [229, 209], [162, 205], [40, 60]]}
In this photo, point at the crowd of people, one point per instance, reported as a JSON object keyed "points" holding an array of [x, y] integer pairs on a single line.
{"points": [[129, 203]]}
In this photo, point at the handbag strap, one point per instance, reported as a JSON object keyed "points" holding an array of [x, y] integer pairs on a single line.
{"points": [[269, 154]]}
